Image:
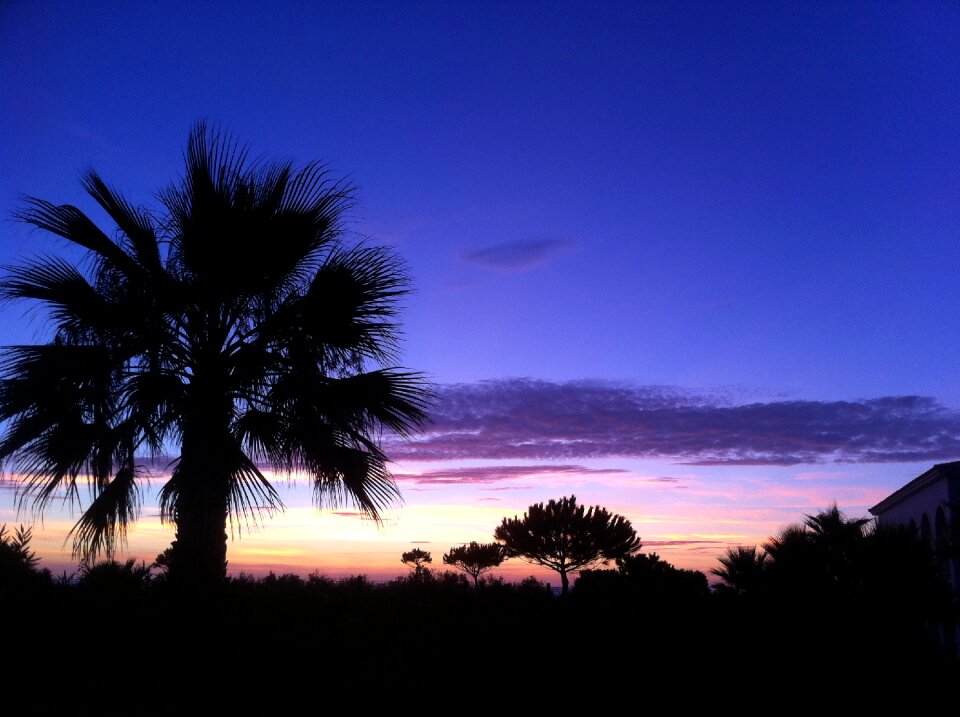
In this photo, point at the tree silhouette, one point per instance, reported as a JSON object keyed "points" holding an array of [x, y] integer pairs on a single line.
{"points": [[830, 558], [476, 559], [232, 325], [648, 574], [820, 555], [742, 568], [841, 577], [418, 560], [641, 578], [566, 537]]}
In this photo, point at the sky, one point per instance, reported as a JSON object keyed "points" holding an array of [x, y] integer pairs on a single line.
{"points": [[691, 261]]}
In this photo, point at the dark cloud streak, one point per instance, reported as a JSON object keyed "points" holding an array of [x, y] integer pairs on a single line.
{"points": [[493, 474], [525, 419], [517, 255]]}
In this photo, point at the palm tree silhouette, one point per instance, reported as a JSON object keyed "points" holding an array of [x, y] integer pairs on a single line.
{"points": [[233, 328], [822, 554], [834, 527], [742, 568]]}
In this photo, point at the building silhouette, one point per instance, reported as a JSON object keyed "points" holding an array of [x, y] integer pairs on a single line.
{"points": [[930, 506]]}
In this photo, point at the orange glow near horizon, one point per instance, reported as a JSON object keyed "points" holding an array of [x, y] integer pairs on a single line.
{"points": [[689, 523]]}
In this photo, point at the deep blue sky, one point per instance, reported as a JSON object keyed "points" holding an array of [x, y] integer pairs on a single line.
{"points": [[747, 202], [761, 195]]}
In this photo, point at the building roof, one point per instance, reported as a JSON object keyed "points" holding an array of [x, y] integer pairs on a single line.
{"points": [[941, 471]]}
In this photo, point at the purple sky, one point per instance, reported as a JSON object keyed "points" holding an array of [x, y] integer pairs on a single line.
{"points": [[648, 240]]}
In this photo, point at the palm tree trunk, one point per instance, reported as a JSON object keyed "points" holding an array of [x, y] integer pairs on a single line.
{"points": [[198, 559]]}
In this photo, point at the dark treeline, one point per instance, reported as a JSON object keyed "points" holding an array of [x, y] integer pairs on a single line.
{"points": [[823, 602]]}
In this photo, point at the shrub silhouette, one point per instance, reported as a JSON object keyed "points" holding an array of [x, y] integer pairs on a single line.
{"points": [[112, 576], [18, 562], [648, 574], [644, 576]]}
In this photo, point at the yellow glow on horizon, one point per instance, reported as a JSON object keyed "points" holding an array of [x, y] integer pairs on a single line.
{"points": [[691, 527]]}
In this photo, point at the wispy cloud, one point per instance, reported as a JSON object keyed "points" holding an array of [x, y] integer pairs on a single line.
{"points": [[516, 255], [494, 474], [526, 419]]}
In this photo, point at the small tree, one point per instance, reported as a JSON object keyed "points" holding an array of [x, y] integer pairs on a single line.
{"points": [[417, 559], [476, 559], [567, 537]]}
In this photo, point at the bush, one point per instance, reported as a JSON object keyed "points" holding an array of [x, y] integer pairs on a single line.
{"points": [[18, 562], [114, 577]]}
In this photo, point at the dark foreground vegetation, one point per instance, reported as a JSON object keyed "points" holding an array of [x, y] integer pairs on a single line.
{"points": [[874, 620]]}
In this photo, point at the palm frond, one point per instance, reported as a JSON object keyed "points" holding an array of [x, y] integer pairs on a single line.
{"points": [[311, 192], [74, 304], [260, 432], [153, 399], [247, 494], [63, 421], [70, 223], [214, 159], [135, 224], [385, 397], [37, 378], [350, 304], [345, 476], [251, 494], [271, 186], [103, 526], [45, 384]]}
